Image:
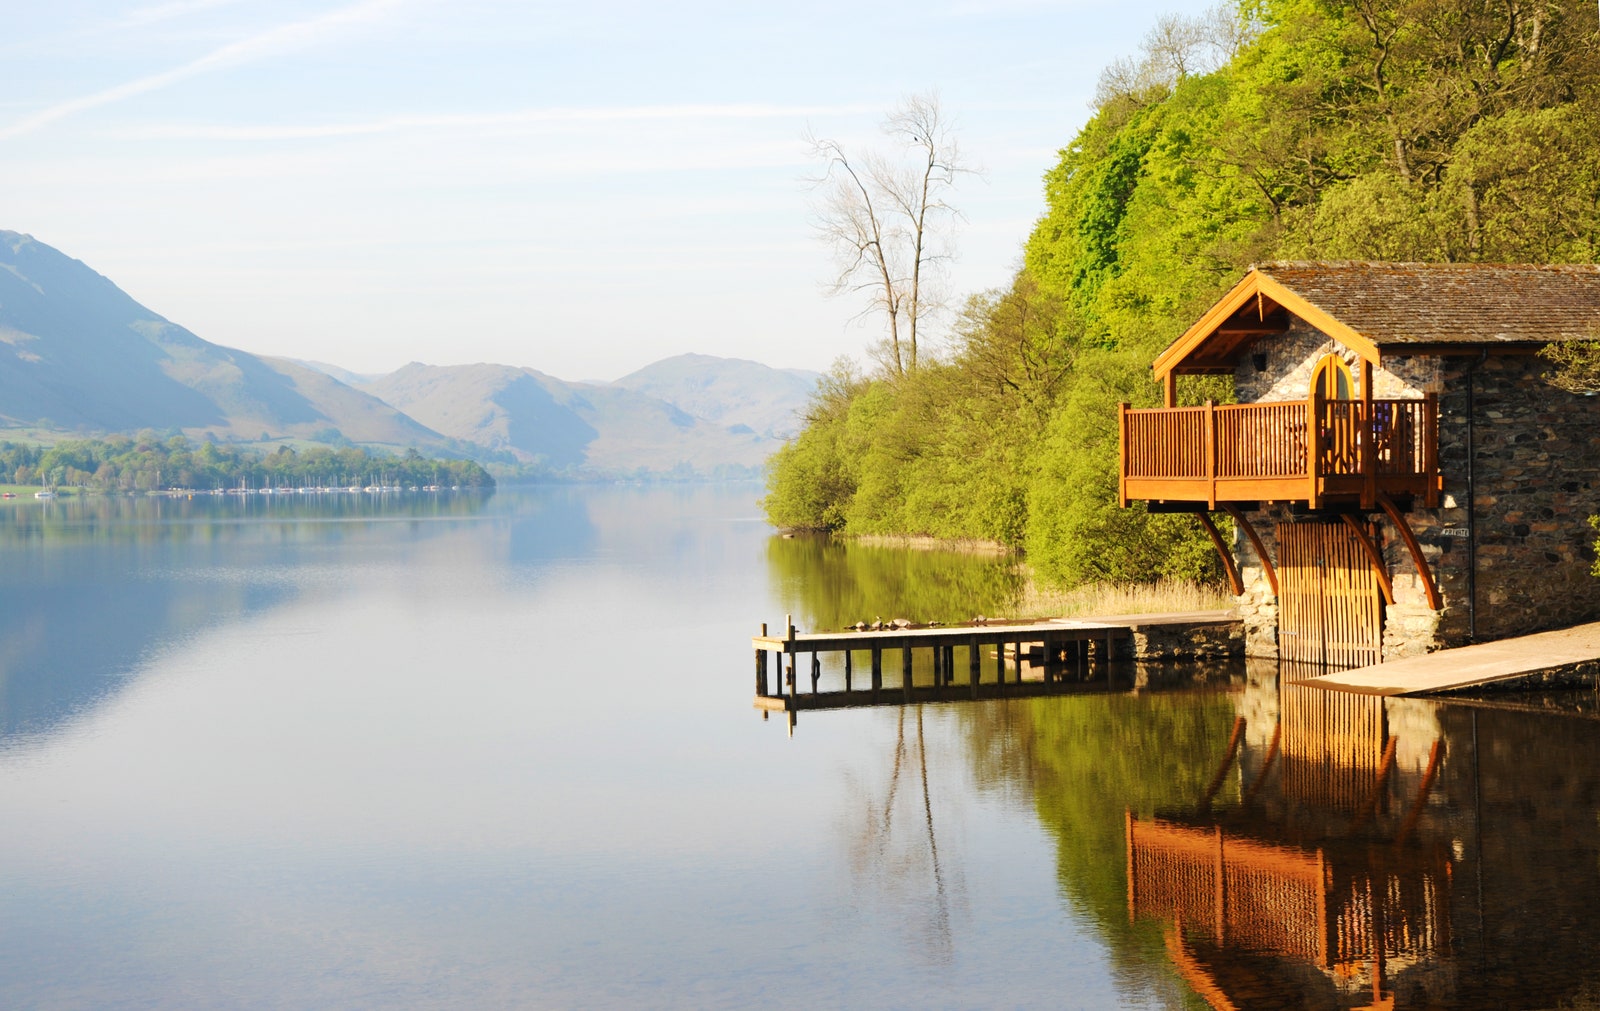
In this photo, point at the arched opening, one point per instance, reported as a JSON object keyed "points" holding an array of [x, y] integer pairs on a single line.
{"points": [[1332, 380]]}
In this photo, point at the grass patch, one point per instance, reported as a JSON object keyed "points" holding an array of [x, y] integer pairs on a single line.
{"points": [[1161, 597]]}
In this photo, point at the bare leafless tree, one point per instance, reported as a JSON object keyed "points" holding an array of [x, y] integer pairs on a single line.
{"points": [[1175, 48], [889, 222]]}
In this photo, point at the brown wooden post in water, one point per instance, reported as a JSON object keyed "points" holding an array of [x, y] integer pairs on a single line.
{"points": [[905, 669], [877, 669], [847, 657]]}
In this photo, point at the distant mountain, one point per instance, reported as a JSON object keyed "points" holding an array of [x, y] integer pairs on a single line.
{"points": [[581, 429], [77, 353], [355, 379], [729, 391]]}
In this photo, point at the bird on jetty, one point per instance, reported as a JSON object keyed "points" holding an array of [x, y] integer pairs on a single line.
{"points": [[877, 624], [860, 626]]}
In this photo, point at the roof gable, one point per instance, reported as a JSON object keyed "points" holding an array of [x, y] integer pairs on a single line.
{"points": [[1374, 307]]}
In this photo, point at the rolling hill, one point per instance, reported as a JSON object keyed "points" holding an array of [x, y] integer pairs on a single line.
{"points": [[577, 429], [78, 354]]}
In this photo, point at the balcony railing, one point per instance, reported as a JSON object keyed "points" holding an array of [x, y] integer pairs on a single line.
{"points": [[1296, 450]]}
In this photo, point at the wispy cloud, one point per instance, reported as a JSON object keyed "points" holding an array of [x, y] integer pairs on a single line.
{"points": [[519, 118], [174, 9], [295, 35]]}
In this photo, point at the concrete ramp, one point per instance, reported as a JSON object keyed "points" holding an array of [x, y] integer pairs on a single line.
{"points": [[1506, 660]]}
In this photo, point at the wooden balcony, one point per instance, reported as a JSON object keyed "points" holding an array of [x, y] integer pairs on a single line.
{"points": [[1313, 451]]}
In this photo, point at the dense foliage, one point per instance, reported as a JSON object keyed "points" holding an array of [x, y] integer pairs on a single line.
{"points": [[148, 463], [1434, 130]]}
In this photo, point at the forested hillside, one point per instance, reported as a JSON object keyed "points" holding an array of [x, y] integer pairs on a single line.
{"points": [[1433, 130]]}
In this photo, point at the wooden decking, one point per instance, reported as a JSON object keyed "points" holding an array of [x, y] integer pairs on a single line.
{"points": [[1503, 662], [1285, 451], [993, 660]]}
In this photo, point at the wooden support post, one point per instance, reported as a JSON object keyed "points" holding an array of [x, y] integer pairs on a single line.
{"points": [[877, 670], [848, 656], [1122, 454], [816, 672], [1430, 450], [1368, 445], [1169, 390], [1373, 557], [974, 664], [1431, 589], [761, 672], [1228, 566], [1313, 450], [1242, 523], [1211, 454], [905, 670]]}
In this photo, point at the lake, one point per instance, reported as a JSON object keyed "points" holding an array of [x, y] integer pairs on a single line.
{"points": [[501, 752]]}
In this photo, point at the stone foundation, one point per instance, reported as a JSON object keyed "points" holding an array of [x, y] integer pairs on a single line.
{"points": [[1536, 457]]}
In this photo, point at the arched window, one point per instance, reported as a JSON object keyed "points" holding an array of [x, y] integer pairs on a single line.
{"points": [[1332, 380]]}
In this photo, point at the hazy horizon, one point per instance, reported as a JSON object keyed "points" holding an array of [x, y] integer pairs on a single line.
{"points": [[584, 190]]}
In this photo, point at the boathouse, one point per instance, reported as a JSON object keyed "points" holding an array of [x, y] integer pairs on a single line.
{"points": [[1401, 475]]}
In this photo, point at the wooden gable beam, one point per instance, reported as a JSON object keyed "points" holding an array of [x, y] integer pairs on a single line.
{"points": [[1340, 332], [1255, 291]]}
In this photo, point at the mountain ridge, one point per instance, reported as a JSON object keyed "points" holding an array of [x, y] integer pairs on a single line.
{"points": [[79, 355]]}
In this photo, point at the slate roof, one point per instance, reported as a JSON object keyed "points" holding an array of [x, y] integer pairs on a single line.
{"points": [[1450, 303]]}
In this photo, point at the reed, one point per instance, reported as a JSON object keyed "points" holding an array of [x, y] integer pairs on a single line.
{"points": [[1161, 597]]}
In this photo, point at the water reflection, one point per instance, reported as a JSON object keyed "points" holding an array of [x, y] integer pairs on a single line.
{"points": [[833, 583], [92, 586], [1254, 843]]}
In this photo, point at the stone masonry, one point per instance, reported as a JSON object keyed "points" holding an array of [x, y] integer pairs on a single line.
{"points": [[1537, 477]]}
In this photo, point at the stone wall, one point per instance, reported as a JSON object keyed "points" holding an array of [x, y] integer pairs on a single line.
{"points": [[1537, 459]]}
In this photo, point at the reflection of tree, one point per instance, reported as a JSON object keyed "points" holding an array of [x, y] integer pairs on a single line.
{"points": [[831, 583], [902, 869], [1085, 760]]}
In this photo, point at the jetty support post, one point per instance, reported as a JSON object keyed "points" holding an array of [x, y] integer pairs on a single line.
{"points": [[761, 665]]}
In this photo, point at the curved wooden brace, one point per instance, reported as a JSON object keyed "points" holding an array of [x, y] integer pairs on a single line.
{"points": [[1373, 556], [1237, 515], [1428, 585], [1227, 760], [1227, 556]]}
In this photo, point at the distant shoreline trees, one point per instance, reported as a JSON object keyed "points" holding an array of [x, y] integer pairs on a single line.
{"points": [[149, 462]]}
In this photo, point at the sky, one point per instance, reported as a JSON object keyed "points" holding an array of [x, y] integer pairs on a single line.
{"points": [[582, 188]]}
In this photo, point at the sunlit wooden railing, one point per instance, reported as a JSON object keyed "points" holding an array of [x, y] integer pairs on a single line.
{"points": [[1282, 451]]}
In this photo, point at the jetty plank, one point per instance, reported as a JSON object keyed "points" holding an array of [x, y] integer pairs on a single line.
{"points": [[1469, 666]]}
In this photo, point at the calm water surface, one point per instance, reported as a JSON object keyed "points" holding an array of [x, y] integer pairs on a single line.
{"points": [[501, 753]]}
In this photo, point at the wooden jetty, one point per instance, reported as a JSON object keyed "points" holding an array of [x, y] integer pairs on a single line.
{"points": [[998, 659], [1060, 650], [1502, 663]]}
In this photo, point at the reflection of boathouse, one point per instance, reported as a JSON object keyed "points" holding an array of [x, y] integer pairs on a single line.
{"points": [[1400, 475], [1322, 869]]}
